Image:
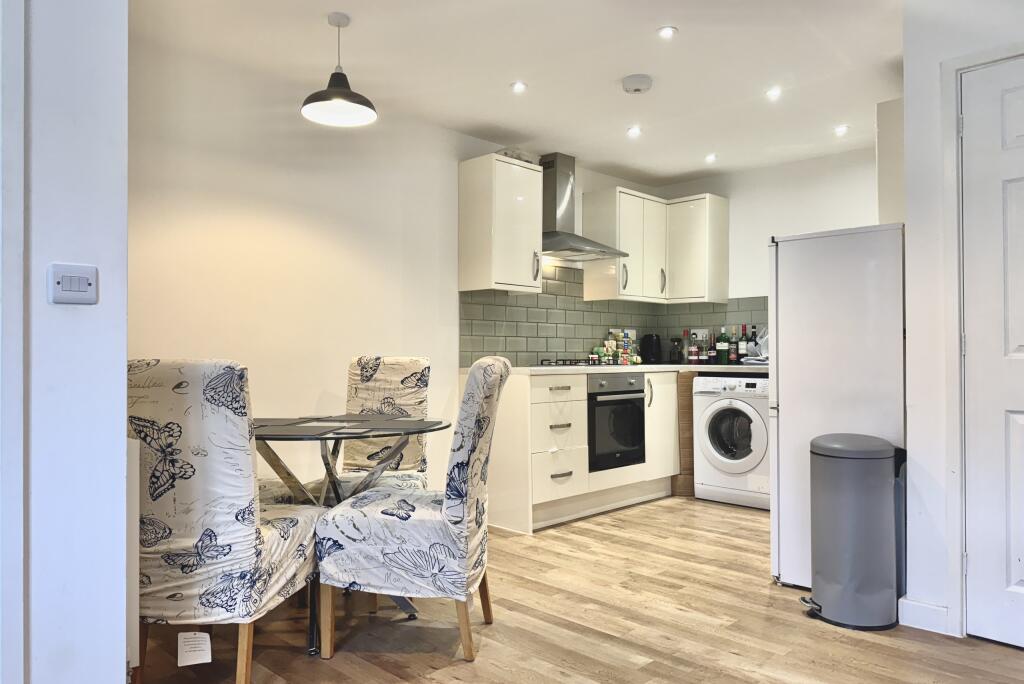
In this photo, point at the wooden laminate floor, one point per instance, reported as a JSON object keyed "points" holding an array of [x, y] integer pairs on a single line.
{"points": [[675, 590]]}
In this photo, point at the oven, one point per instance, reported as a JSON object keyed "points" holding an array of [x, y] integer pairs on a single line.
{"points": [[615, 420]]}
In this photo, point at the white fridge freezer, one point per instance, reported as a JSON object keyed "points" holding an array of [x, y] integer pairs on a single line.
{"points": [[835, 312]]}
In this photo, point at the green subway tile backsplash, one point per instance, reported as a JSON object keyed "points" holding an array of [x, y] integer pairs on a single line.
{"points": [[558, 324]]}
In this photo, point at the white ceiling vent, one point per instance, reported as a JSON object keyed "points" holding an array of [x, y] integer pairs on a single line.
{"points": [[634, 84]]}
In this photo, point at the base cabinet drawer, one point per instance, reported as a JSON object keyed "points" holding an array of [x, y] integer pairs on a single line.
{"points": [[558, 474], [545, 388], [558, 425]]}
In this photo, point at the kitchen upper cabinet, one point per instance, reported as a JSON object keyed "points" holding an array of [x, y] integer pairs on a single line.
{"points": [[661, 425], [698, 249], [631, 241], [500, 224], [678, 249], [655, 220]]}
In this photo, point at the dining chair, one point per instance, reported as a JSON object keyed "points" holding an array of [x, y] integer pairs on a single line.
{"points": [[209, 553], [377, 385], [418, 543]]}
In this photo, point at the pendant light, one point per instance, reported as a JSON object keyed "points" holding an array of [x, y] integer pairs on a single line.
{"points": [[339, 105]]}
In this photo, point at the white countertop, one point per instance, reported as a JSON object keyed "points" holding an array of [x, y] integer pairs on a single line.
{"points": [[642, 368]]}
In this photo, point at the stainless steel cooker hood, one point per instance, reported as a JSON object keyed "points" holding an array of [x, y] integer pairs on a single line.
{"points": [[560, 239]]}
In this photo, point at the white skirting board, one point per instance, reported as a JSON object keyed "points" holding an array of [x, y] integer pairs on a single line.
{"points": [[573, 507], [924, 616]]}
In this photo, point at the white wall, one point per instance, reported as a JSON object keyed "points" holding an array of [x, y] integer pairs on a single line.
{"points": [[836, 191], [76, 184], [892, 195], [935, 31], [258, 236]]}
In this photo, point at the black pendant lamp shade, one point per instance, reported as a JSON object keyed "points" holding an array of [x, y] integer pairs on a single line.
{"points": [[337, 104]]}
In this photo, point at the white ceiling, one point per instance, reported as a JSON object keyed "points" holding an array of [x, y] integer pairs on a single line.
{"points": [[451, 62]]}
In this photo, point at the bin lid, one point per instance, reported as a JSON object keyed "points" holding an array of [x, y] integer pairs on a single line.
{"points": [[850, 445]]}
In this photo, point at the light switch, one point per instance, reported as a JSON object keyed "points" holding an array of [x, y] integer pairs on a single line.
{"points": [[72, 284]]}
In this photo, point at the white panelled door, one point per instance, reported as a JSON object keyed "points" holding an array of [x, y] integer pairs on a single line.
{"points": [[993, 271]]}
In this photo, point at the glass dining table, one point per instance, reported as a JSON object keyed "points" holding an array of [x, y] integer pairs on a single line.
{"points": [[330, 432]]}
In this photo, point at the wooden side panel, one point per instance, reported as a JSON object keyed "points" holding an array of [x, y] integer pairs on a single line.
{"points": [[682, 484]]}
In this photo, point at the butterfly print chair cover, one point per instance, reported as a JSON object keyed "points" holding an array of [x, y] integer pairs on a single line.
{"points": [[208, 554], [385, 385], [421, 543]]}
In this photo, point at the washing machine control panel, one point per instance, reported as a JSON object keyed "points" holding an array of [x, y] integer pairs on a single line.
{"points": [[737, 385]]}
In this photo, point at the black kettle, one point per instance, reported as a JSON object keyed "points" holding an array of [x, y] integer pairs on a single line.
{"points": [[650, 348]]}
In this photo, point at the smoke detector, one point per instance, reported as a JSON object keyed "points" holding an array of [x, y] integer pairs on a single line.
{"points": [[635, 84]]}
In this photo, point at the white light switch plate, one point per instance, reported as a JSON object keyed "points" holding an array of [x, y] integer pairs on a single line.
{"points": [[72, 284]]}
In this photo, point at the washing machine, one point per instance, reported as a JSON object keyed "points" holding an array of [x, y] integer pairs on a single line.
{"points": [[730, 440]]}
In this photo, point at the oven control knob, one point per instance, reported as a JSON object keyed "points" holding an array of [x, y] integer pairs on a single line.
{"points": [[632, 381], [731, 384], [602, 383]]}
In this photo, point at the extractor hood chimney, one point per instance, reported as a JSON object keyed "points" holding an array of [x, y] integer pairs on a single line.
{"points": [[560, 239]]}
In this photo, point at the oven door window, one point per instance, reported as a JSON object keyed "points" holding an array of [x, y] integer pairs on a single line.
{"points": [[617, 433], [730, 435]]}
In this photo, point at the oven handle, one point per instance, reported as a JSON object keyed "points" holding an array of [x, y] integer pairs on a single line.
{"points": [[617, 397]]}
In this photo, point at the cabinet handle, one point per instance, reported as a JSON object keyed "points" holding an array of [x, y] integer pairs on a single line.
{"points": [[536, 265], [560, 388], [555, 476], [560, 426], [625, 276], [650, 388], [664, 280]]}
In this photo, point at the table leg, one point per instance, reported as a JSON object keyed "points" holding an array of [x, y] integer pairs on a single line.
{"points": [[287, 476], [332, 475], [313, 628]]}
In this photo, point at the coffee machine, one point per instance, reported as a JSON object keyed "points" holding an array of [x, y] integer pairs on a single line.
{"points": [[650, 348]]}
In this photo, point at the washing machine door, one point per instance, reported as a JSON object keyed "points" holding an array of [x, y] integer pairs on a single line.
{"points": [[734, 438]]}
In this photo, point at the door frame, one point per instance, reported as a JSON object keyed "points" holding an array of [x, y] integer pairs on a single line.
{"points": [[13, 567], [952, 72]]}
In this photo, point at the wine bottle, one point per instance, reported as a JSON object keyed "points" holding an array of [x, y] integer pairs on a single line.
{"points": [[722, 348], [742, 351], [702, 351], [734, 345], [692, 350], [752, 343]]}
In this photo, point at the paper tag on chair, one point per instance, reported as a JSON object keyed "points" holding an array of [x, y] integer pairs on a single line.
{"points": [[194, 648]]}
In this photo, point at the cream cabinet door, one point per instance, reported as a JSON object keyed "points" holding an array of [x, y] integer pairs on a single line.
{"points": [[661, 425], [631, 241], [517, 225], [655, 277], [687, 251]]}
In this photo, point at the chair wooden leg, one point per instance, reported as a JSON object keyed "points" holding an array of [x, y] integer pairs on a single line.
{"points": [[143, 643], [326, 621], [485, 599], [243, 667], [372, 603], [462, 607]]}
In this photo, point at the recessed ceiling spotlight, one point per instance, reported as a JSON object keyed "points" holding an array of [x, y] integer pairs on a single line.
{"points": [[841, 130], [518, 87], [711, 158], [773, 93], [633, 131], [667, 32]]}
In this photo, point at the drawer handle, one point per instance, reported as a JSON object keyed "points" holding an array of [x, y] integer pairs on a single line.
{"points": [[558, 475], [559, 426], [560, 388]]}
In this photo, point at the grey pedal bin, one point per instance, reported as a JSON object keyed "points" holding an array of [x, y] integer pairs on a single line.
{"points": [[857, 530]]}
